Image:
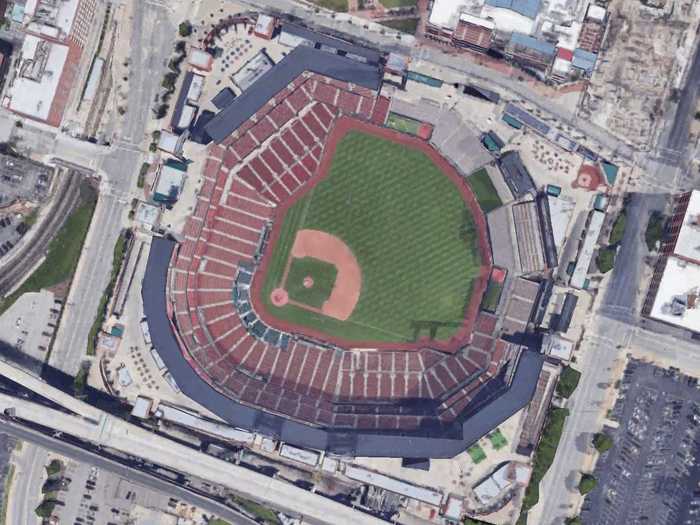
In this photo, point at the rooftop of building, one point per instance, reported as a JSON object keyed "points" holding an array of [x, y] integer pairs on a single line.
{"points": [[38, 75], [688, 242]]}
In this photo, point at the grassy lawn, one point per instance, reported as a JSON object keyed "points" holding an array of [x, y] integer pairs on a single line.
{"points": [[498, 440], [476, 453], [492, 296], [63, 252], [263, 514], [485, 192], [544, 454], [403, 124], [389, 4], [341, 6], [6, 493], [323, 275], [568, 381], [409, 229], [117, 258], [405, 25]]}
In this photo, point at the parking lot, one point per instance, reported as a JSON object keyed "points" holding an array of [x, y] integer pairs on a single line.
{"points": [[23, 180], [651, 474], [9, 234]]}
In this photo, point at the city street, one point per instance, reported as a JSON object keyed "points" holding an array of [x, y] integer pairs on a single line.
{"points": [[25, 493], [613, 330], [152, 41]]}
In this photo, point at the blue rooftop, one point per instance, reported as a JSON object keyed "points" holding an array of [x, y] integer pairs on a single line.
{"points": [[528, 8], [584, 60], [519, 39]]}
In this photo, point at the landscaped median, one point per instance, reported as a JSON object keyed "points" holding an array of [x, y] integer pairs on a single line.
{"points": [[64, 250], [120, 248], [544, 457]]}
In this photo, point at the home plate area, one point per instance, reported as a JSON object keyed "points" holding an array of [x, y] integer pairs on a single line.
{"points": [[322, 276]]}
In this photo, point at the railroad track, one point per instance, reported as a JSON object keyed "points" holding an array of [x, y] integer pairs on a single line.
{"points": [[63, 204]]}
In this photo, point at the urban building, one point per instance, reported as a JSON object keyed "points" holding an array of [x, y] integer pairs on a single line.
{"points": [[56, 34], [673, 293]]}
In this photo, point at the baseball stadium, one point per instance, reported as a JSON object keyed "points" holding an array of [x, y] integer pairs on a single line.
{"points": [[326, 287]]}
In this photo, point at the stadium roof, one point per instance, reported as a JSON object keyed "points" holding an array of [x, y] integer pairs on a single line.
{"points": [[515, 174], [528, 8], [301, 59], [442, 442], [223, 98]]}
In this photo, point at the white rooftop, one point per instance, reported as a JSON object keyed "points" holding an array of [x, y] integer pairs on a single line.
{"points": [[583, 262], [507, 20], [188, 419], [688, 243], [466, 17], [66, 15], [148, 215], [445, 13], [680, 279], [396, 486], [561, 210], [34, 88], [169, 142], [200, 59], [196, 88], [308, 457], [60, 15], [557, 347], [596, 12]]}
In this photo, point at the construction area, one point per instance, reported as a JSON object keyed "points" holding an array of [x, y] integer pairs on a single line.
{"points": [[642, 63]]}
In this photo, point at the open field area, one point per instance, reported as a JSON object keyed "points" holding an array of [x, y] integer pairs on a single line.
{"points": [[410, 230]]}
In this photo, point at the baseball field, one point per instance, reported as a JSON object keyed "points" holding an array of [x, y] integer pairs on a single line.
{"points": [[402, 228]]}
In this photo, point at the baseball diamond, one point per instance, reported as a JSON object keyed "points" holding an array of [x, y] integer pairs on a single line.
{"points": [[409, 228]]}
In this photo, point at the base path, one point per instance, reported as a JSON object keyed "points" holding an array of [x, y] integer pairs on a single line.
{"points": [[348, 282]]}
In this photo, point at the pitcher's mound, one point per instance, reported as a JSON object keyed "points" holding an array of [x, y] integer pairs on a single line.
{"points": [[308, 282]]}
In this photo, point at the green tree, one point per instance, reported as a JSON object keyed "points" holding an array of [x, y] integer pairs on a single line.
{"points": [[587, 483], [568, 381], [184, 29], [602, 442]]}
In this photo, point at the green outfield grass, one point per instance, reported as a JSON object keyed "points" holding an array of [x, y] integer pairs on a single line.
{"points": [[485, 192], [321, 272], [410, 230]]}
